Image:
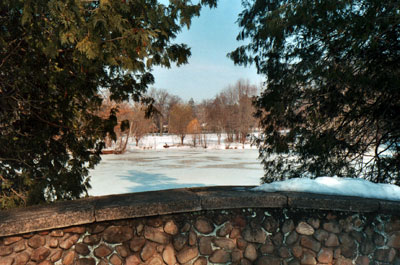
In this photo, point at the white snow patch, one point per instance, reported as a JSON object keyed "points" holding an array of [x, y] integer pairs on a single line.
{"points": [[336, 186]]}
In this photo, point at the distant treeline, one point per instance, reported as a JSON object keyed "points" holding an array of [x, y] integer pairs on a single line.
{"points": [[229, 112]]}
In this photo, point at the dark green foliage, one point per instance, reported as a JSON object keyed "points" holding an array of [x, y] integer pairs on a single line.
{"points": [[332, 94], [54, 58]]}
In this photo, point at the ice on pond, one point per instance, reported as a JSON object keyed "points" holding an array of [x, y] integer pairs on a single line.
{"points": [[146, 170], [183, 166]]}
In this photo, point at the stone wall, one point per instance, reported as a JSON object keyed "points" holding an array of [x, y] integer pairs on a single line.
{"points": [[222, 225]]}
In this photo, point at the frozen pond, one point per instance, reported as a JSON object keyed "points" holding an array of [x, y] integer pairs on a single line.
{"points": [[146, 170]]}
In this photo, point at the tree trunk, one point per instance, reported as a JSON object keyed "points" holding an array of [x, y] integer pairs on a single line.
{"points": [[123, 149], [161, 124], [124, 145]]}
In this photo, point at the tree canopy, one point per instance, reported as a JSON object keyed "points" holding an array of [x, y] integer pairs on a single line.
{"points": [[55, 57], [331, 102], [179, 118]]}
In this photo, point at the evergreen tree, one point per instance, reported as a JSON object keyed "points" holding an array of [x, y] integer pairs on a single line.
{"points": [[331, 102], [55, 56]]}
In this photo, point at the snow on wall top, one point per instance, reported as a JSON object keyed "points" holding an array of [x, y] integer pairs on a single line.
{"points": [[336, 186]]}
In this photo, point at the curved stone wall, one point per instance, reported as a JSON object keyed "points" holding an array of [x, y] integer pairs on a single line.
{"points": [[217, 225]]}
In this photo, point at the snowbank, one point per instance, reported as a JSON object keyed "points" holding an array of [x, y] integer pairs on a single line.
{"points": [[336, 186]]}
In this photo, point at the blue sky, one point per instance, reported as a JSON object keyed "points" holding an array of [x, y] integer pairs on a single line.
{"points": [[211, 36]]}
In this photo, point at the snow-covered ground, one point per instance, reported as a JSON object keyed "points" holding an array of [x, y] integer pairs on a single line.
{"points": [[208, 141], [151, 166]]}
